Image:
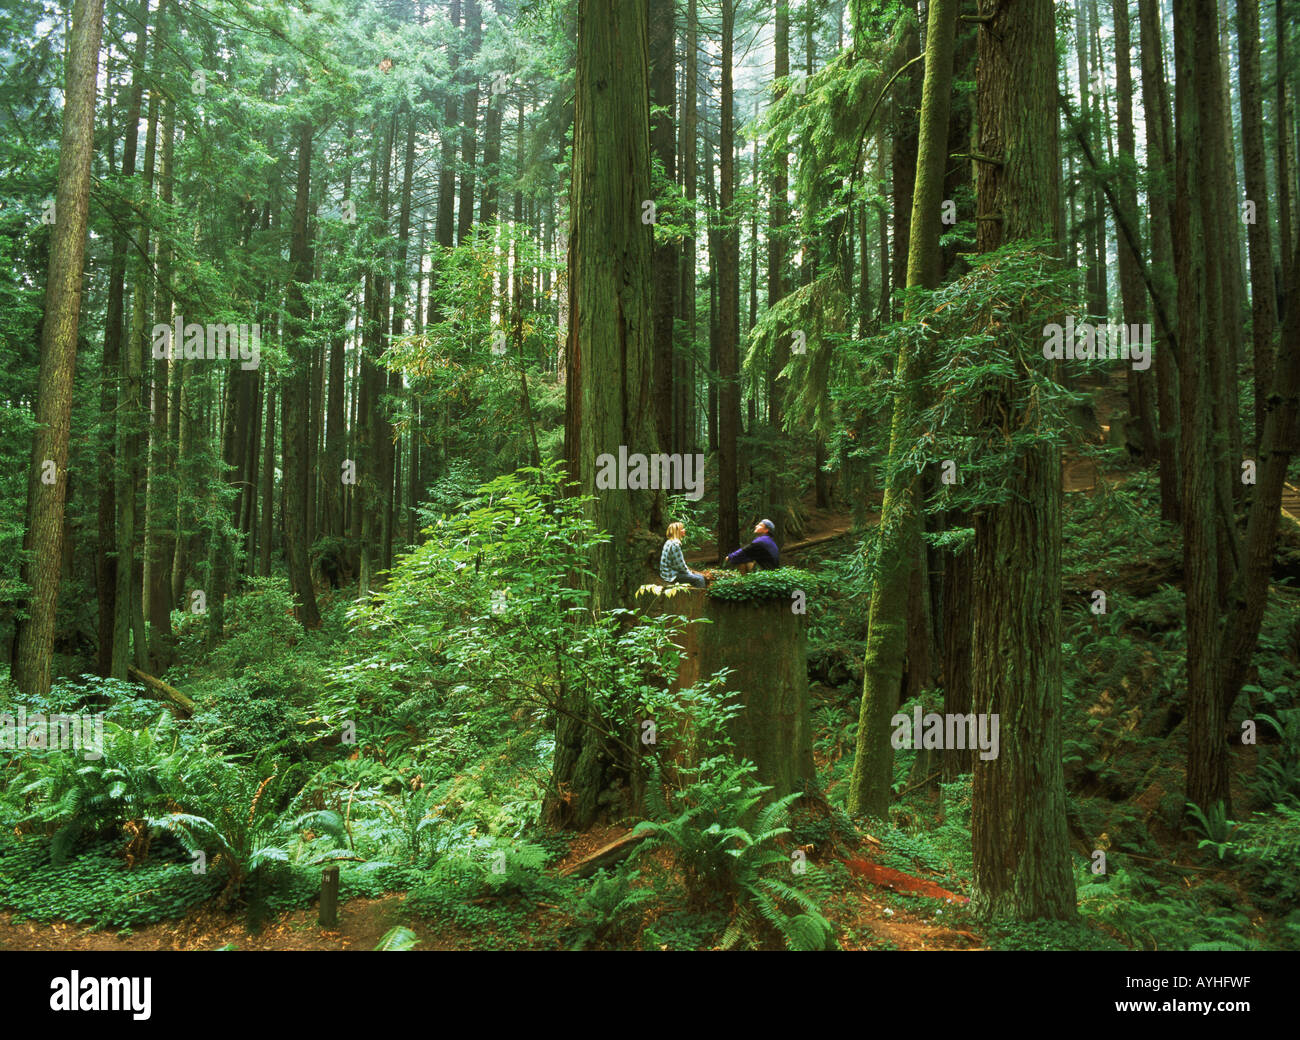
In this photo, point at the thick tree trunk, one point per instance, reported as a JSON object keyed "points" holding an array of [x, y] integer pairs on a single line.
{"points": [[609, 352], [663, 94], [684, 381], [765, 645], [1018, 826], [1281, 123], [47, 480], [1130, 278], [1196, 63]]}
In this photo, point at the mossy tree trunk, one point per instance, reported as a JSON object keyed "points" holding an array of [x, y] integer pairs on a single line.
{"points": [[766, 645], [900, 524]]}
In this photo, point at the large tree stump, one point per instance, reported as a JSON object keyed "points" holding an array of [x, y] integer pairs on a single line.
{"points": [[766, 645]]}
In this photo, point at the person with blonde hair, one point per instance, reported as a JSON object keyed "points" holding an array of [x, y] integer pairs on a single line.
{"points": [[672, 564]]}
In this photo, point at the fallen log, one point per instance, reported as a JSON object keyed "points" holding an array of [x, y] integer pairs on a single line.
{"points": [[606, 856], [179, 702]]}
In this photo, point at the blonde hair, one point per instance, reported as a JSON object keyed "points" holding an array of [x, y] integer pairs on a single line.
{"points": [[676, 530]]}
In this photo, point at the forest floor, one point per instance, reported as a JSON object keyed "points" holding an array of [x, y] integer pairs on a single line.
{"points": [[881, 908]]}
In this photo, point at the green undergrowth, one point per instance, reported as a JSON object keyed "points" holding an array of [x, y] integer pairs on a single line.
{"points": [[783, 583]]}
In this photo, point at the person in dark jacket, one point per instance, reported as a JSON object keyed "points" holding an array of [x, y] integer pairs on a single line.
{"points": [[761, 552]]}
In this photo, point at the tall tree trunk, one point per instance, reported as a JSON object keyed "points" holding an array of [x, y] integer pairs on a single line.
{"points": [[1130, 278], [684, 380], [111, 664], [491, 191], [469, 120], [1226, 361], [778, 217], [900, 521], [295, 396], [1283, 149], [1197, 99], [1160, 200], [609, 353], [445, 226], [1263, 297], [1093, 270], [160, 509], [132, 433], [663, 94], [47, 479], [1018, 826], [728, 301]]}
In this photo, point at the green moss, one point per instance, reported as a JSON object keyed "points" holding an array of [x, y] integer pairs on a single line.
{"points": [[782, 583]]}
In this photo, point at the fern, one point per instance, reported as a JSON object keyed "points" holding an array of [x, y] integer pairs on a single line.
{"points": [[397, 939]]}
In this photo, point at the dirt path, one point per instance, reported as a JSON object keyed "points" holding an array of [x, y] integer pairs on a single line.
{"points": [[822, 525]]}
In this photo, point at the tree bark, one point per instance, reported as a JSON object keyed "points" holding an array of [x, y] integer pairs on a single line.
{"points": [[41, 571], [609, 351], [1018, 825], [469, 122], [728, 273], [663, 94], [1196, 62], [1130, 279], [1263, 295], [1160, 194], [295, 395], [765, 645], [900, 523]]}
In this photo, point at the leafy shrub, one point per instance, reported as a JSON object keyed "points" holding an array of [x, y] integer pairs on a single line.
{"points": [[141, 773], [1268, 847], [96, 888], [246, 827], [1153, 916], [780, 583], [608, 911], [721, 856], [240, 718]]}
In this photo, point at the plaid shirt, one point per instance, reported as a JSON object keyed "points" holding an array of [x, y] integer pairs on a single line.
{"points": [[671, 561]]}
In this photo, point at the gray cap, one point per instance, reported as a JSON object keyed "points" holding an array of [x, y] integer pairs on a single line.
{"points": [[771, 527]]}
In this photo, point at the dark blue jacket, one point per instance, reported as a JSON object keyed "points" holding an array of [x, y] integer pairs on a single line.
{"points": [[762, 550]]}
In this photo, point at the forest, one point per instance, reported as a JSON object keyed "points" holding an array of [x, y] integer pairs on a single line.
{"points": [[686, 475]]}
